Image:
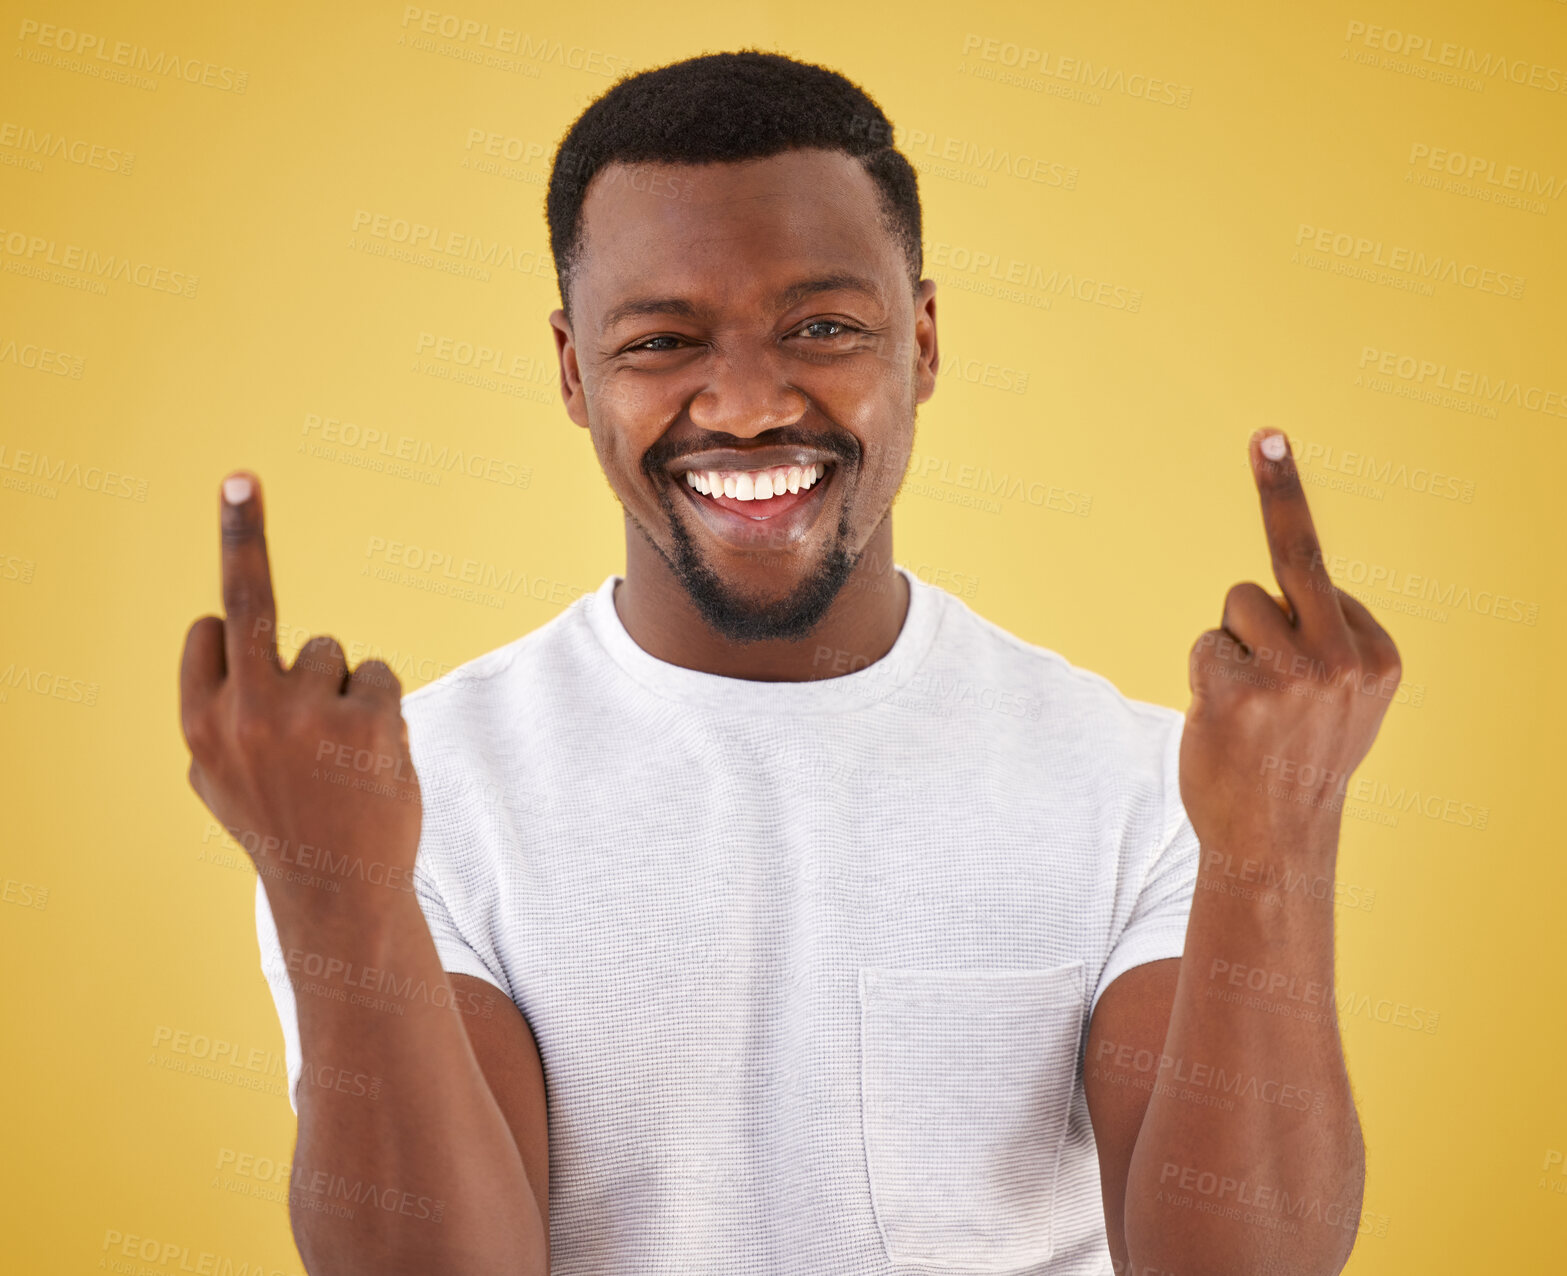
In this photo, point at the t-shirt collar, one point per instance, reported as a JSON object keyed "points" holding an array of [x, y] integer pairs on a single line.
{"points": [[837, 694]]}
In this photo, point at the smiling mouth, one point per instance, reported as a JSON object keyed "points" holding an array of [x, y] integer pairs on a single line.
{"points": [[759, 493], [778, 502]]}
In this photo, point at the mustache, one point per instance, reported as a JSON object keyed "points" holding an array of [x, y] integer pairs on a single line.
{"points": [[665, 451]]}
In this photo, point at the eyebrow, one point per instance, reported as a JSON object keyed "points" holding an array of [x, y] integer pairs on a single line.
{"points": [[685, 308]]}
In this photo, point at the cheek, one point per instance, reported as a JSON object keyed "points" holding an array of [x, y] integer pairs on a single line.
{"points": [[619, 424], [892, 461], [878, 409], [886, 441]]}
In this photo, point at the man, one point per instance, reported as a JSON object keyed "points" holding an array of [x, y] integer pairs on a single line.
{"points": [[769, 910]]}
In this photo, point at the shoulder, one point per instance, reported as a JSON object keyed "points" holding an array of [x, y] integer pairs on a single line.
{"points": [[458, 706], [1070, 702]]}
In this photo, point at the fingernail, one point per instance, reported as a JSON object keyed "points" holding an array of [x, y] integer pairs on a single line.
{"points": [[1273, 447], [236, 490]]}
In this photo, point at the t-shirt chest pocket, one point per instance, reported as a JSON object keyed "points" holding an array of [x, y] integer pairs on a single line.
{"points": [[966, 1078]]}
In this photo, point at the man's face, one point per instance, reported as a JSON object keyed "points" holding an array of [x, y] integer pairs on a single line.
{"points": [[739, 320]]}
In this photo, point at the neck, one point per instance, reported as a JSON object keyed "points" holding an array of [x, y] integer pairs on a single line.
{"points": [[857, 630]]}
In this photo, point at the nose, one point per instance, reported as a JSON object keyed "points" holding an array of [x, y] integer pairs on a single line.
{"points": [[745, 394]]}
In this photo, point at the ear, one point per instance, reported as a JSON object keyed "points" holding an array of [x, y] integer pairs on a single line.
{"points": [[925, 340], [570, 374]]}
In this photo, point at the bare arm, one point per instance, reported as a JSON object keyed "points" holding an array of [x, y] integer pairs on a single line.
{"points": [[1125, 1042], [425, 1174], [433, 1168], [1248, 1156]]}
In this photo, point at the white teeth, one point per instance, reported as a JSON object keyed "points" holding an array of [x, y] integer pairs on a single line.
{"points": [[756, 485]]}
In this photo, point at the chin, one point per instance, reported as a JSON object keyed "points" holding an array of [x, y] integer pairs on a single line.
{"points": [[728, 603]]}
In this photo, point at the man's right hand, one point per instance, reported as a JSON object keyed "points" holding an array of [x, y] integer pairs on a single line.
{"points": [[304, 766]]}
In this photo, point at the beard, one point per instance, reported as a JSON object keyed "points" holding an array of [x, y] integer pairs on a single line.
{"points": [[741, 618]]}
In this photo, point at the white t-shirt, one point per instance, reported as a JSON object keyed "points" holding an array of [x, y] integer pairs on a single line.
{"points": [[810, 964]]}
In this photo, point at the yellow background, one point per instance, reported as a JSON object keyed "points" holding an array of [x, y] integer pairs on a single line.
{"points": [[146, 930]]}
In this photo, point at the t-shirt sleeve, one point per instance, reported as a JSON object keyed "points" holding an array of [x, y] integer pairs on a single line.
{"points": [[456, 954], [1156, 928], [276, 973]]}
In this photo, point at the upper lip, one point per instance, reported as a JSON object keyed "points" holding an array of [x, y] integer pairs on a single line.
{"points": [[760, 458]]}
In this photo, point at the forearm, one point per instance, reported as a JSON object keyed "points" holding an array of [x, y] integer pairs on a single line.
{"points": [[1249, 1157], [419, 1172]]}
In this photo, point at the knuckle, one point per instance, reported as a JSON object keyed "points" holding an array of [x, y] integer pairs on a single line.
{"points": [[305, 717], [1204, 644], [1300, 552], [1205, 651], [1389, 659], [237, 530], [1239, 595], [377, 674], [1341, 654], [198, 732], [199, 626], [254, 731], [321, 654], [242, 596]]}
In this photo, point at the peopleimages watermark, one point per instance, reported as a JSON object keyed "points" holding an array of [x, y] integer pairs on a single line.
{"points": [[1193, 1081], [373, 987], [31, 253], [467, 579], [54, 686], [1433, 376], [1482, 177], [1554, 1160], [43, 474], [305, 864], [1264, 1205], [23, 894], [316, 1189], [1014, 279], [986, 157], [120, 1248], [1279, 992], [35, 146], [1284, 669], [1321, 464], [454, 251], [1393, 588], [402, 455], [1029, 63], [1269, 883], [1433, 58], [490, 43], [1362, 253], [37, 358], [121, 60]]}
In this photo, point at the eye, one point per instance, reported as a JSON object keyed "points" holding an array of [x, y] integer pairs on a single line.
{"points": [[830, 323], [648, 344]]}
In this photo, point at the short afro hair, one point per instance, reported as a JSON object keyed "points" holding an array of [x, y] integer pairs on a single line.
{"points": [[723, 108]]}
